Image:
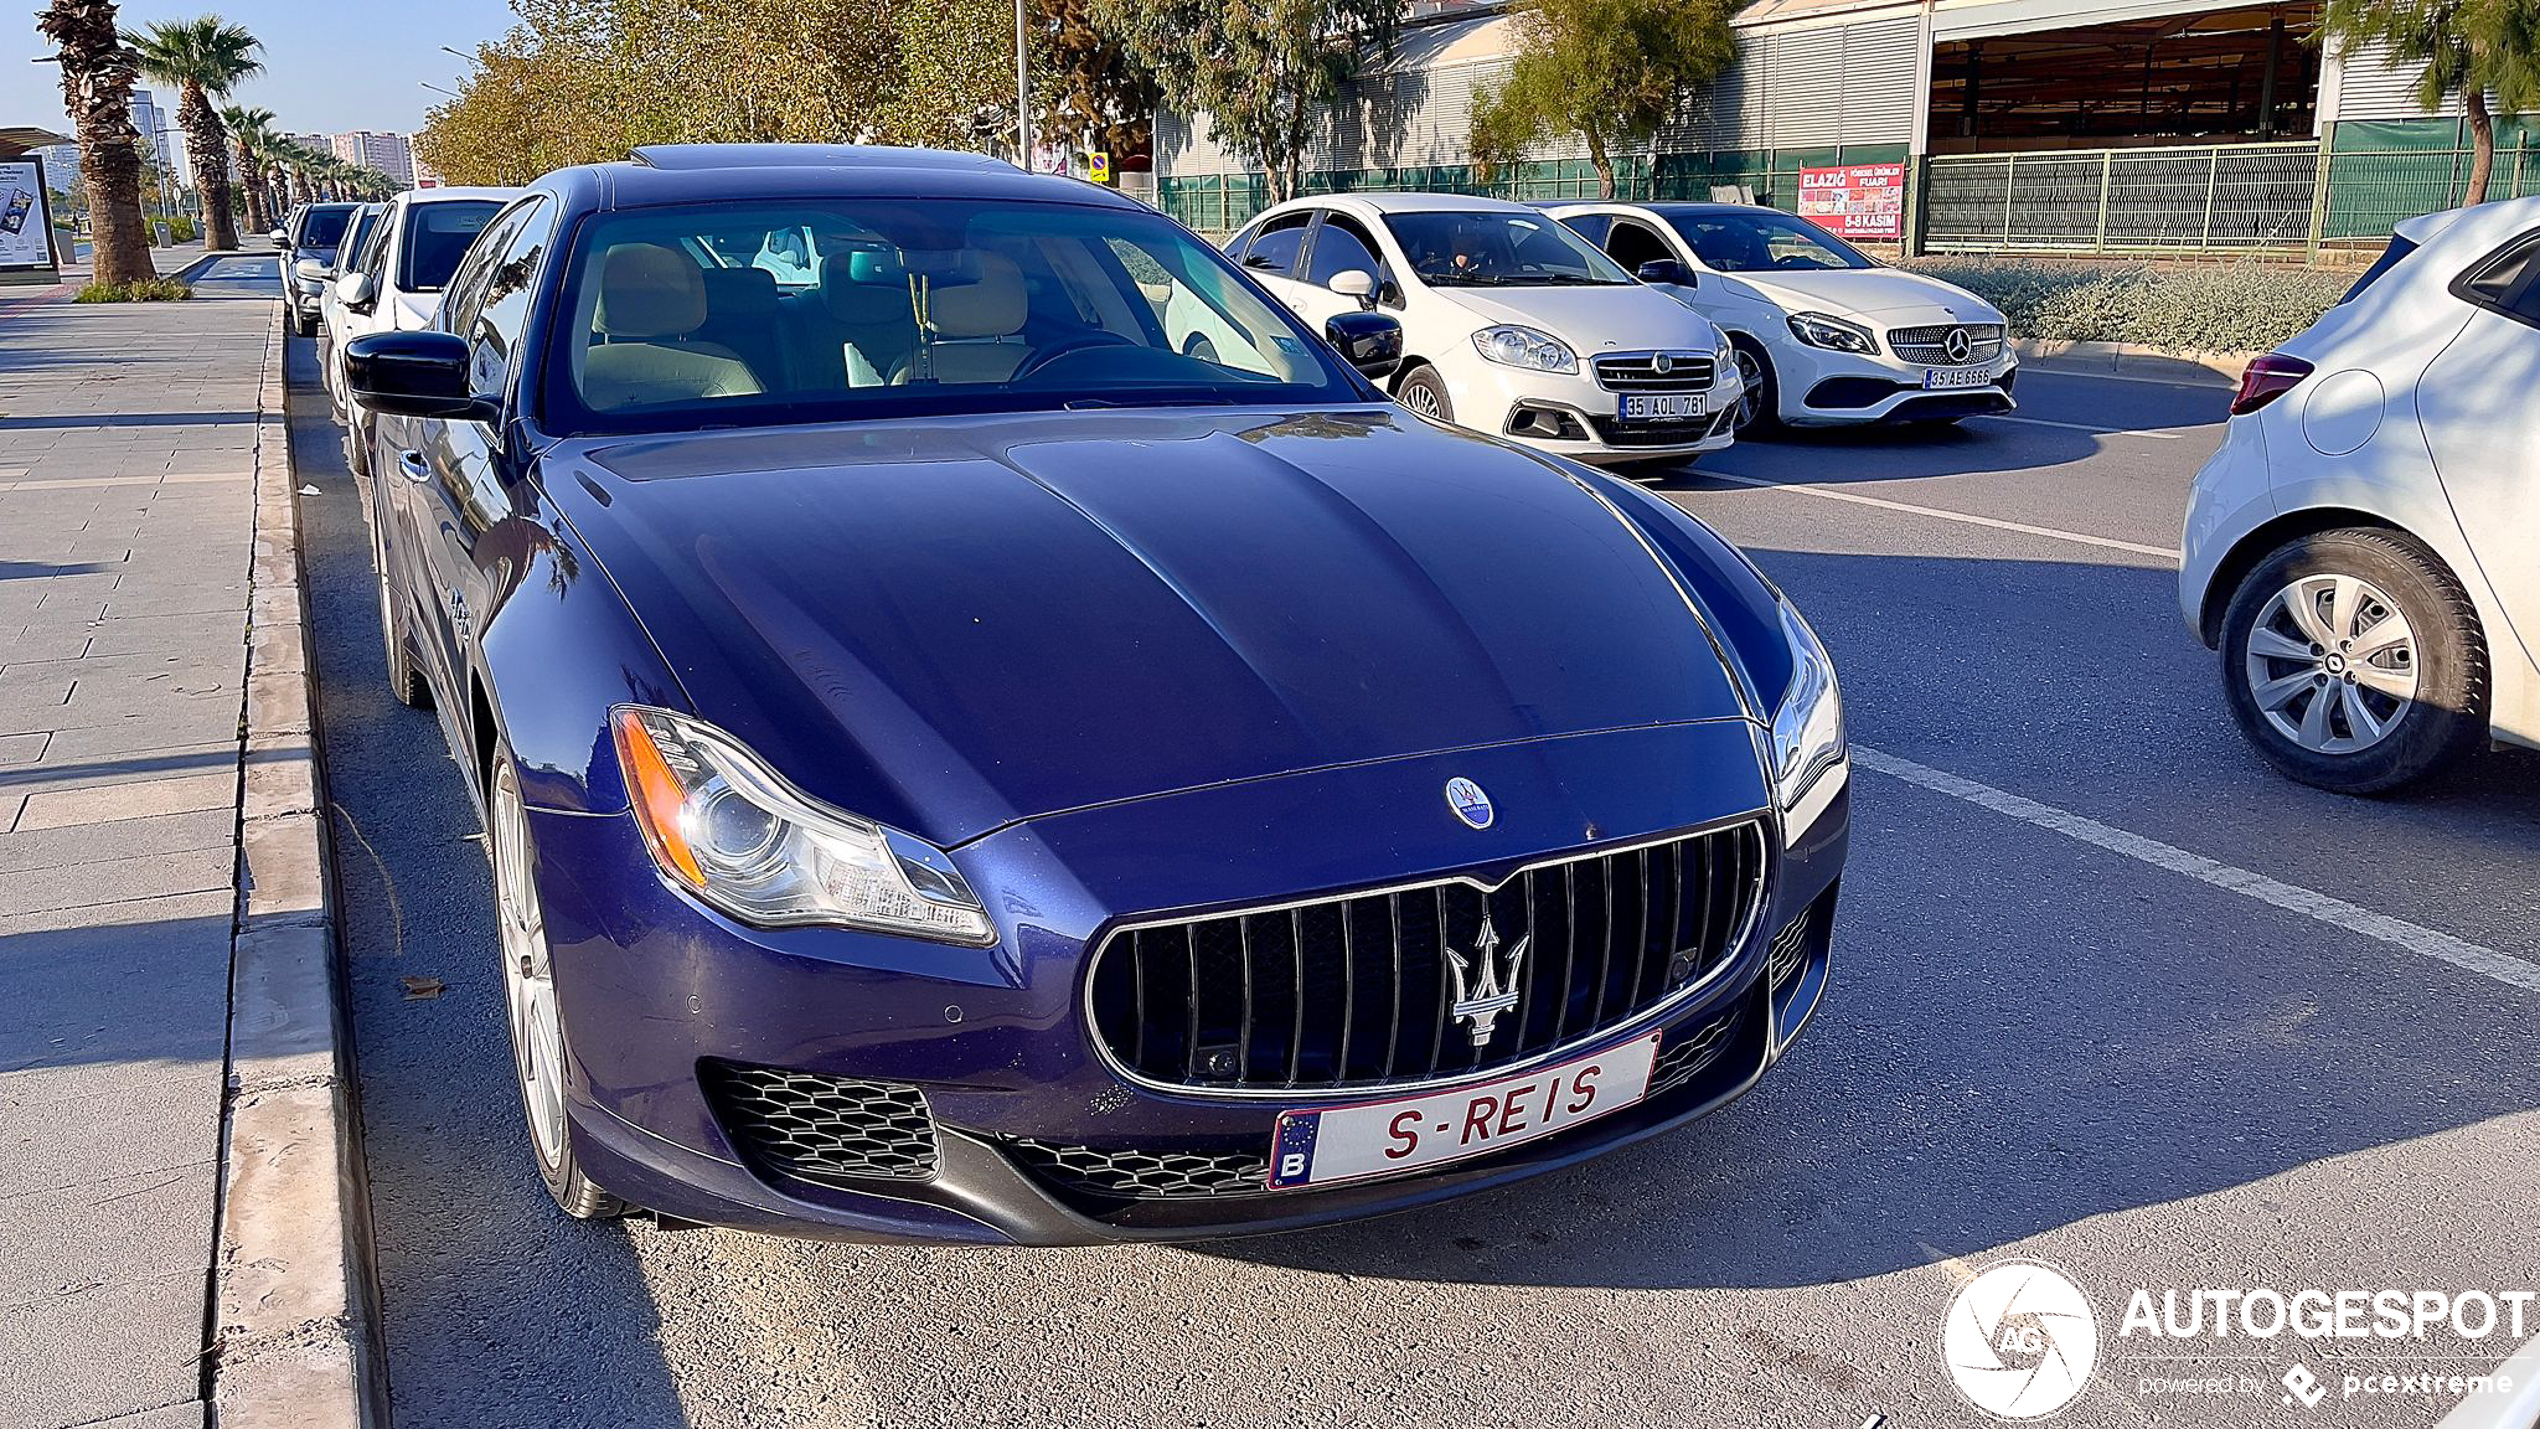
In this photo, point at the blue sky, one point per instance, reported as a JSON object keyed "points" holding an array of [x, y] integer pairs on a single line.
{"points": [[330, 65]]}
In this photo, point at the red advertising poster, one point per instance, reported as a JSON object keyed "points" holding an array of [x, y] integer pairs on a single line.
{"points": [[1855, 200]]}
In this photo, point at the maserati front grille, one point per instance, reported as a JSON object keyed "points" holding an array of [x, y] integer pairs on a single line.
{"points": [[1413, 984]]}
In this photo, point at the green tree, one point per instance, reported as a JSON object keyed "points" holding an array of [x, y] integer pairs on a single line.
{"points": [[1608, 71], [97, 76], [249, 129], [1260, 71], [1085, 84], [2470, 48], [203, 58]]}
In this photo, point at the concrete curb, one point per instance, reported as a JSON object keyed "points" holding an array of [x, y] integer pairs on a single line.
{"points": [[295, 1340], [2130, 359]]}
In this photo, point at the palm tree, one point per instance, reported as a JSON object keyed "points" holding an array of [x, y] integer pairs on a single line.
{"points": [[97, 75], [202, 58], [248, 128]]}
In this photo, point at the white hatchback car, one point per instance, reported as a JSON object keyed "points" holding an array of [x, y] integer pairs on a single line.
{"points": [[1510, 324], [2360, 549], [394, 284], [1826, 335]]}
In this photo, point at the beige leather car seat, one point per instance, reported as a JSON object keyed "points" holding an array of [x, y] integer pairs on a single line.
{"points": [[977, 325], [652, 297]]}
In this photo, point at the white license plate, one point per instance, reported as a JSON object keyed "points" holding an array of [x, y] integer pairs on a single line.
{"points": [[1319, 1146], [1660, 407], [1937, 378]]}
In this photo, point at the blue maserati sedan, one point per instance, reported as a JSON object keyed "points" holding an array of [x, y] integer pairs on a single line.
{"points": [[991, 731]]}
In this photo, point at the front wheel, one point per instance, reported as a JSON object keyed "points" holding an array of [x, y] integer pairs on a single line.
{"points": [[529, 999], [305, 322], [1759, 410], [2354, 662], [1424, 392], [405, 679]]}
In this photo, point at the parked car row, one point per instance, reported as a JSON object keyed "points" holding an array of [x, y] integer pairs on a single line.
{"points": [[1615, 333], [992, 728]]}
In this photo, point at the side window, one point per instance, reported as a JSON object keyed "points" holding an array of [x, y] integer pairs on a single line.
{"points": [[493, 335], [1632, 244], [1242, 240], [1590, 226], [2507, 282], [464, 298], [1341, 246], [1274, 249]]}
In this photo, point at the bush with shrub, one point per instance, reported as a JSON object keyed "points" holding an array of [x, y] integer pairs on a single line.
{"points": [[2216, 307], [148, 290]]}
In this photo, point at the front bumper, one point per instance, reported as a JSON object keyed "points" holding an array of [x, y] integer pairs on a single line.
{"points": [[659, 994], [1824, 388], [1574, 415]]}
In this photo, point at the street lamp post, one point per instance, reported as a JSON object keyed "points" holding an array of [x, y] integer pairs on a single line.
{"points": [[1022, 92]]}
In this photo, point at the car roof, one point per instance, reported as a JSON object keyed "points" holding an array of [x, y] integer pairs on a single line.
{"points": [[1405, 201], [447, 193], [709, 173], [1666, 209]]}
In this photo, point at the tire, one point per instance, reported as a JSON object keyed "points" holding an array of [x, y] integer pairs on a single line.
{"points": [[404, 680], [531, 1009], [1759, 412], [306, 323], [1424, 391], [356, 444], [2335, 695]]}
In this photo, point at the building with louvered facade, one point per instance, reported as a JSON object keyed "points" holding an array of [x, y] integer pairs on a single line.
{"points": [[2029, 125]]}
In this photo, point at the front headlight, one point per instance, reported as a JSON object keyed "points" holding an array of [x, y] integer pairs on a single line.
{"points": [[1819, 330], [1513, 346], [730, 830], [1807, 729]]}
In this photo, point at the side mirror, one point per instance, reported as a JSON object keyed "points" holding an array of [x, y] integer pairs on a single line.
{"points": [[353, 291], [1666, 270], [1371, 342], [414, 374], [280, 238], [312, 269], [1355, 284]]}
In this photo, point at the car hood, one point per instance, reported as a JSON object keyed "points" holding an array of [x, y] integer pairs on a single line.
{"points": [[1628, 316], [955, 624], [1890, 293]]}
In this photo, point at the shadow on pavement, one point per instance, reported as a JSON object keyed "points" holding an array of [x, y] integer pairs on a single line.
{"points": [[486, 1289]]}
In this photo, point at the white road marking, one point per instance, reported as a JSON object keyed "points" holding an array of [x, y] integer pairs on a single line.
{"points": [[2079, 427], [2335, 912], [2166, 553]]}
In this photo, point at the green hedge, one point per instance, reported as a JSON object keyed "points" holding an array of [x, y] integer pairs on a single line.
{"points": [[2234, 307], [148, 290]]}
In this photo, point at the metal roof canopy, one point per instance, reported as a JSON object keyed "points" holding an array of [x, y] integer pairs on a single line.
{"points": [[1977, 19], [18, 139]]}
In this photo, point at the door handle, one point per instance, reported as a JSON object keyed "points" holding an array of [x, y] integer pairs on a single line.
{"points": [[411, 463]]}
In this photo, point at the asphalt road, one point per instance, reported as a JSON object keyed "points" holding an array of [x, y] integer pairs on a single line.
{"points": [[2091, 1008]]}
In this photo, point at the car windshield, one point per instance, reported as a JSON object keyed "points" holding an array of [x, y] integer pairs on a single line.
{"points": [[839, 309], [324, 227], [437, 236], [1762, 241], [1485, 248]]}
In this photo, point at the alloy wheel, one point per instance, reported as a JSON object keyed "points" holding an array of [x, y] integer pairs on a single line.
{"points": [[2332, 664], [1750, 397], [529, 979], [1421, 398]]}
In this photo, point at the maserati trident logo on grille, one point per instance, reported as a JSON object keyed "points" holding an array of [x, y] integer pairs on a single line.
{"points": [[1469, 802], [1954, 342], [1484, 992]]}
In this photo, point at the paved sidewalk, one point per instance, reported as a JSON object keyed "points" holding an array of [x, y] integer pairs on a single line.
{"points": [[127, 458]]}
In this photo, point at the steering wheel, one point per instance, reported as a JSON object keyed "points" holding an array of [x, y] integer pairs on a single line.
{"points": [[1048, 355]]}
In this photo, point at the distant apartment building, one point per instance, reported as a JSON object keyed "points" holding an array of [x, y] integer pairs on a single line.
{"points": [[391, 154], [61, 165], [153, 125]]}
